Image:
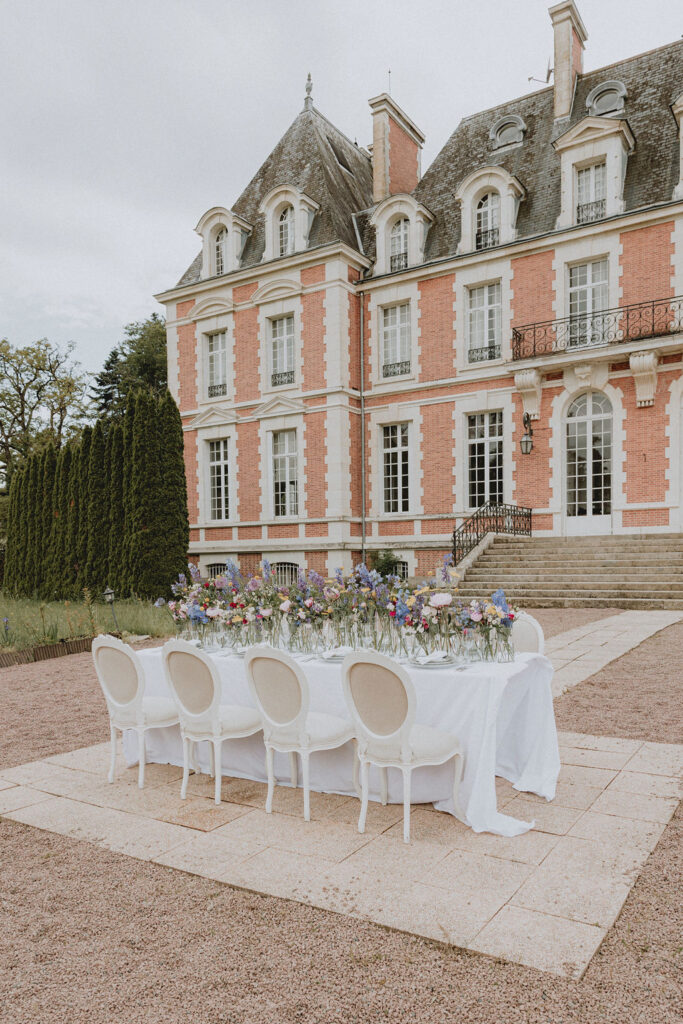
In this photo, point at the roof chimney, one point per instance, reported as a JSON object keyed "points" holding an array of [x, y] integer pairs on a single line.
{"points": [[569, 37], [396, 149]]}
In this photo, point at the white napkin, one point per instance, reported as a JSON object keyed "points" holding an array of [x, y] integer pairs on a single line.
{"points": [[337, 652], [433, 658]]}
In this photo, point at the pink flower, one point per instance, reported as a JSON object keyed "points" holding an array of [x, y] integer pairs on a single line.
{"points": [[308, 602], [266, 612], [285, 606], [476, 616], [212, 613]]}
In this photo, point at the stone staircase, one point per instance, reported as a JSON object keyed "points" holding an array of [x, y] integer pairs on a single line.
{"points": [[581, 572]]}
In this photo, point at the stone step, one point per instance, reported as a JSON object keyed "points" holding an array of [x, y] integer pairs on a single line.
{"points": [[614, 601], [596, 538], [572, 568], [577, 586], [495, 558], [482, 579], [586, 549]]}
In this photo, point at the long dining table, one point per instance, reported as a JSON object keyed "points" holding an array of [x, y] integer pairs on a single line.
{"points": [[502, 714]]}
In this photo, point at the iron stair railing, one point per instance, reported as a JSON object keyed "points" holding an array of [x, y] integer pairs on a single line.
{"points": [[490, 518]]}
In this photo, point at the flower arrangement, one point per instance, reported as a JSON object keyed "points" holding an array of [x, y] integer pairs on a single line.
{"points": [[362, 609]]}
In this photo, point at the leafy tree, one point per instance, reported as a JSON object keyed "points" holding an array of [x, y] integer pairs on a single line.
{"points": [[59, 576], [31, 512], [142, 522], [42, 400], [117, 569], [97, 519], [43, 583], [70, 568], [138, 362]]}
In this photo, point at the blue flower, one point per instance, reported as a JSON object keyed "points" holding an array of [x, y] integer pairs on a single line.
{"points": [[498, 598]]}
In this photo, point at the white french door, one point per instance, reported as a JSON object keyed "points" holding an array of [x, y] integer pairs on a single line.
{"points": [[588, 465]]}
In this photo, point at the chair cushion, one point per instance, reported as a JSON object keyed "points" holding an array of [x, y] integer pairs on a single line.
{"points": [[432, 744], [159, 709], [235, 718], [324, 729]]}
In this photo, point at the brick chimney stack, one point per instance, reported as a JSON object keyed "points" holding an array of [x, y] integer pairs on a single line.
{"points": [[569, 38], [396, 149]]}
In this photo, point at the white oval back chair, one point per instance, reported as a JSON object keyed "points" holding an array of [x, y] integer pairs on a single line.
{"points": [[195, 684], [122, 679], [527, 634], [381, 698], [280, 691]]}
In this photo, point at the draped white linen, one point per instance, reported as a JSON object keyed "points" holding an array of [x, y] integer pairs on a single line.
{"points": [[501, 713]]}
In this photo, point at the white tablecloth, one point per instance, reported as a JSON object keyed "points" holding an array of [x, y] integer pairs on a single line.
{"points": [[501, 713]]}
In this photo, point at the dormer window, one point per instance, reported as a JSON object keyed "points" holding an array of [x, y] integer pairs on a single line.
{"points": [[220, 251], [399, 244], [488, 221], [590, 193], [286, 231], [508, 131], [606, 98]]}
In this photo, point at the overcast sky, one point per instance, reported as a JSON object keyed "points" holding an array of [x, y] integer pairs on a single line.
{"points": [[124, 120]]}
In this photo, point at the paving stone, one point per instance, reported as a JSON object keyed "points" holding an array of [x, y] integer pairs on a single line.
{"points": [[26, 774], [325, 839], [578, 880], [636, 805], [649, 785], [210, 855], [6, 784], [548, 817], [388, 853], [594, 758], [587, 742], [115, 830], [548, 943], [279, 872], [19, 796], [627, 841], [580, 775], [658, 759]]}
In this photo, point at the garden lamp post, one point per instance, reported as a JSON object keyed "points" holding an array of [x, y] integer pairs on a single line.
{"points": [[526, 442], [108, 596]]}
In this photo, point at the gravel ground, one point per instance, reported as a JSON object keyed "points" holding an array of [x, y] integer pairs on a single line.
{"points": [[92, 936]]}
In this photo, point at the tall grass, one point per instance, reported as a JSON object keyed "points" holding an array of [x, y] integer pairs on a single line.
{"points": [[25, 622]]}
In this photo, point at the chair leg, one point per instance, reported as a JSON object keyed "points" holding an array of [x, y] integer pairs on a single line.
{"points": [[217, 769], [141, 758], [186, 768], [271, 779], [364, 795], [406, 805], [384, 786], [356, 765], [307, 790], [112, 763], [293, 769], [212, 761]]}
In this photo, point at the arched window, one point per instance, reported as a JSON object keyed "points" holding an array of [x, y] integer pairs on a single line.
{"points": [[507, 131], [488, 221], [221, 251], [589, 455], [286, 231], [284, 574], [606, 98], [399, 244]]}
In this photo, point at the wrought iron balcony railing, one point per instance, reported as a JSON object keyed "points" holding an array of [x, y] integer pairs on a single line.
{"points": [[284, 377], [482, 355], [485, 239], [490, 518], [399, 261], [586, 212], [396, 369], [217, 390], [637, 322]]}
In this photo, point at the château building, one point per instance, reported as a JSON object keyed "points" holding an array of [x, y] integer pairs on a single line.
{"points": [[360, 347]]}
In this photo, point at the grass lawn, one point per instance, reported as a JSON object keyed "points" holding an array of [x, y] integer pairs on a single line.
{"points": [[25, 622]]}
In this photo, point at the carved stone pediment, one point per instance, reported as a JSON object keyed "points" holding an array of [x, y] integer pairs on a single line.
{"points": [[528, 383], [644, 369]]}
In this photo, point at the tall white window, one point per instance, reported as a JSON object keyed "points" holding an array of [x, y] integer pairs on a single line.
{"points": [[488, 221], [220, 251], [285, 481], [217, 357], [589, 455], [485, 322], [219, 463], [588, 297], [396, 467], [399, 244], [286, 231], [485, 444], [396, 340], [590, 193], [282, 351]]}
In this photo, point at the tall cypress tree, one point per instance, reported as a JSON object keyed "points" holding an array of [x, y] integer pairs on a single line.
{"points": [[33, 518], [117, 570], [70, 568], [47, 508], [146, 542], [97, 520], [21, 532], [83, 491], [10, 575], [59, 523], [126, 584], [175, 528]]}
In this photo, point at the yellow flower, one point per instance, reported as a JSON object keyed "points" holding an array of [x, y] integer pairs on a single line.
{"points": [[410, 601]]}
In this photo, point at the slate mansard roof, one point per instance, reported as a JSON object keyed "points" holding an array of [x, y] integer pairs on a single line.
{"points": [[653, 81], [319, 160], [305, 157]]}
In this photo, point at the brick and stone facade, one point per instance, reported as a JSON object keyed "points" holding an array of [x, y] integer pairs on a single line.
{"points": [[536, 267]]}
